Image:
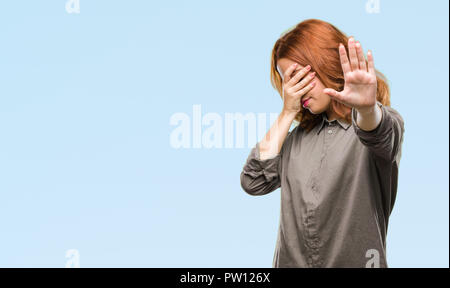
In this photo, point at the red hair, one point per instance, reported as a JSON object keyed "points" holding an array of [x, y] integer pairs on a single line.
{"points": [[316, 42]]}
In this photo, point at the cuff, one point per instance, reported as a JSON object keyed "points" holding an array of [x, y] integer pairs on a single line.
{"points": [[374, 136], [256, 167]]}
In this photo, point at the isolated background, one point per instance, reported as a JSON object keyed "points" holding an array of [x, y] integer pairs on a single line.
{"points": [[85, 103]]}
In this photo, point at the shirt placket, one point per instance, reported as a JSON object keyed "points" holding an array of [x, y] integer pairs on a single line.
{"points": [[312, 236]]}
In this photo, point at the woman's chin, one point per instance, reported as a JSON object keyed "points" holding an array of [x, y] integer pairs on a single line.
{"points": [[310, 109]]}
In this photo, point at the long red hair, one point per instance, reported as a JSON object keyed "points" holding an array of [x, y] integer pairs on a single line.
{"points": [[316, 42]]}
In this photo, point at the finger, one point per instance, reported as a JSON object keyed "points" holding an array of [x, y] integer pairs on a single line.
{"points": [[294, 80], [361, 59], [305, 89], [352, 53], [371, 64], [304, 82], [344, 59], [287, 74], [334, 94]]}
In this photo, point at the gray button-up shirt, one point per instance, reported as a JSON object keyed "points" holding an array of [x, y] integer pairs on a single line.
{"points": [[338, 188]]}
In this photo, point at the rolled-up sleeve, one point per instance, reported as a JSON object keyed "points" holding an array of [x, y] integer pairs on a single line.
{"points": [[259, 177], [386, 139]]}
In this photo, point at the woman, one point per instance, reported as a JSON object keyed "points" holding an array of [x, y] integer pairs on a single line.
{"points": [[338, 167]]}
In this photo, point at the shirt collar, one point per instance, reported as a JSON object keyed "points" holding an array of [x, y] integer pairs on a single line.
{"points": [[343, 124]]}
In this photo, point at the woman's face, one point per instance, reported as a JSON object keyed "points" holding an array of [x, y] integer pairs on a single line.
{"points": [[318, 101]]}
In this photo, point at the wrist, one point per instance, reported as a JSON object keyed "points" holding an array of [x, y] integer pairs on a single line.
{"points": [[367, 111], [288, 114], [369, 119]]}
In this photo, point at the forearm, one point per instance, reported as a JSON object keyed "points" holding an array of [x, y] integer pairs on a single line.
{"points": [[369, 119], [271, 144]]}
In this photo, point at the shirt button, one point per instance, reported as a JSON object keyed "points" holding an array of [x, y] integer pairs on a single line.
{"points": [[330, 131]]}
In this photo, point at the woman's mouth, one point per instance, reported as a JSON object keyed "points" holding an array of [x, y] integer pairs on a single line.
{"points": [[305, 102]]}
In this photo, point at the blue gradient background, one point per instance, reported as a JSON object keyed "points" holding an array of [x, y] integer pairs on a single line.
{"points": [[85, 103]]}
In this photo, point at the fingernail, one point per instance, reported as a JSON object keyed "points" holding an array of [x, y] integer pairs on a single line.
{"points": [[295, 64], [308, 67]]}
